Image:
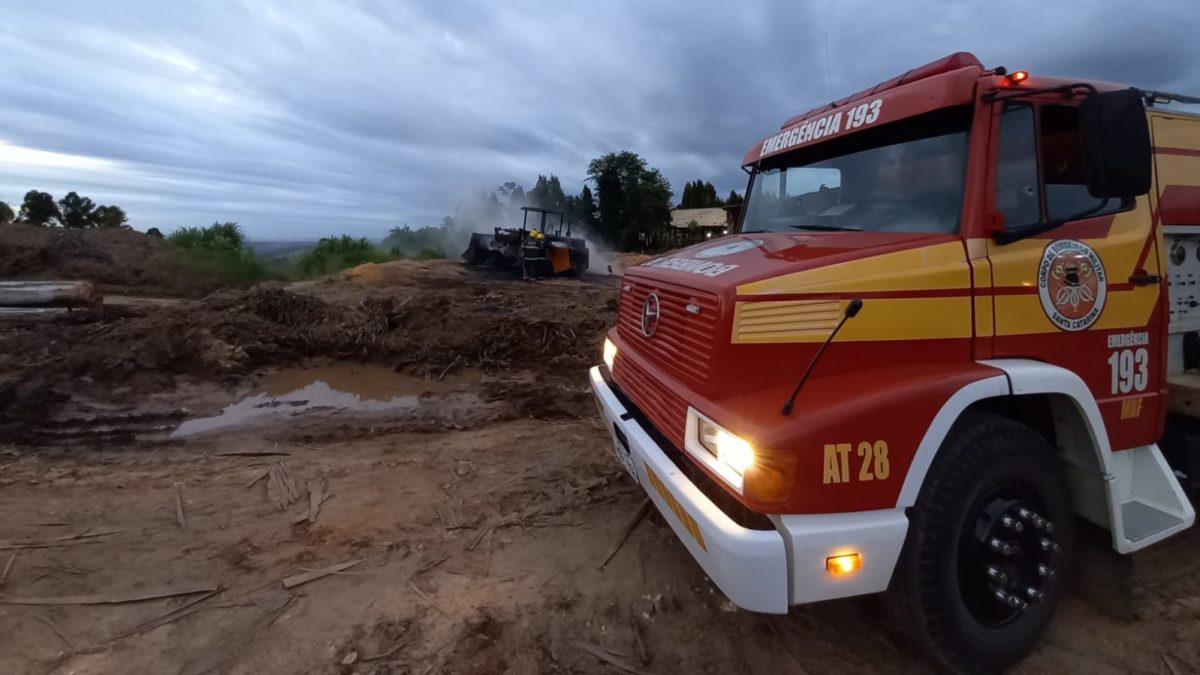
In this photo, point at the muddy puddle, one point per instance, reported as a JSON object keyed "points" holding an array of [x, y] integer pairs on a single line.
{"points": [[334, 389]]}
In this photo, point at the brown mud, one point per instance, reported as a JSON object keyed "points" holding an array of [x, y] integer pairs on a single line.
{"points": [[441, 424]]}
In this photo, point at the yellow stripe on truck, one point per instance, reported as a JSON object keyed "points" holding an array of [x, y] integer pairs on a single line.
{"points": [[880, 319], [1023, 315], [937, 267], [689, 523]]}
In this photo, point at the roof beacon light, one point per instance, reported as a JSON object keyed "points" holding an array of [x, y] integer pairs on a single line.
{"points": [[1017, 77]]}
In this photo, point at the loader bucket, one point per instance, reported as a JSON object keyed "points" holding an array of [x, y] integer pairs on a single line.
{"points": [[479, 249]]}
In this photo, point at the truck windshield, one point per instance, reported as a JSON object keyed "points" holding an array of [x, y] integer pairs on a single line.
{"points": [[902, 177]]}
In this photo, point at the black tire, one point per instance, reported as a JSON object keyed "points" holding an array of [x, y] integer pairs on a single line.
{"points": [[944, 585]]}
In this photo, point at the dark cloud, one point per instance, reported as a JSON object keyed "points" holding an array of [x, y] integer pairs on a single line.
{"points": [[303, 119]]}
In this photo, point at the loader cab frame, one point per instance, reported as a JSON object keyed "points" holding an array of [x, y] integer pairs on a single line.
{"points": [[544, 221]]}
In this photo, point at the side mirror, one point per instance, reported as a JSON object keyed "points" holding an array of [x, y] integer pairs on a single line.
{"points": [[1116, 144]]}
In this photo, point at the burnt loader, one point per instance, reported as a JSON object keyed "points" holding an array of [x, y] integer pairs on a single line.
{"points": [[505, 247]]}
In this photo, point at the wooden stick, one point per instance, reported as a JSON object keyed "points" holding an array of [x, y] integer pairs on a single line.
{"points": [[257, 478], [7, 569], [483, 531], [316, 495], [300, 579], [179, 516], [59, 633], [428, 566], [447, 368], [67, 540], [189, 607], [609, 658], [283, 609], [425, 596], [401, 644], [509, 481], [110, 598], [628, 530]]}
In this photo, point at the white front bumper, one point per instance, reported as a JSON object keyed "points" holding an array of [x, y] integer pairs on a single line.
{"points": [[759, 570]]}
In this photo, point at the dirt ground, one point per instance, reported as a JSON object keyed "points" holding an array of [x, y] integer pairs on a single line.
{"points": [[119, 260], [472, 488]]}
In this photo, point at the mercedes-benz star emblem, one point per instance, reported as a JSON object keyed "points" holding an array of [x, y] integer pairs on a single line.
{"points": [[650, 313]]}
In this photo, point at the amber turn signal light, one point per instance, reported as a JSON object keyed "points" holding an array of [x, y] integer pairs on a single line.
{"points": [[1017, 77], [843, 565]]}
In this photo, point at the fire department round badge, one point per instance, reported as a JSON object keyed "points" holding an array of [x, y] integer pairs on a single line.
{"points": [[1072, 284], [730, 248]]}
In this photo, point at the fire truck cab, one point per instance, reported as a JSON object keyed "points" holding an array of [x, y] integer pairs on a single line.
{"points": [[957, 314]]}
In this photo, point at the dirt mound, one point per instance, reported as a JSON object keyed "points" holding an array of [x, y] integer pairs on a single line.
{"points": [[115, 258], [623, 261], [432, 322]]}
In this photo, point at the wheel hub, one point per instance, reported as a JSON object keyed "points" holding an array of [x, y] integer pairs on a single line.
{"points": [[1006, 557]]}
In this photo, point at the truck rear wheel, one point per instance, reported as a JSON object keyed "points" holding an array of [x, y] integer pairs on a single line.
{"points": [[989, 548]]}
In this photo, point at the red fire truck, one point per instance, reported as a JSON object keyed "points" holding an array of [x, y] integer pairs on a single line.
{"points": [[943, 331]]}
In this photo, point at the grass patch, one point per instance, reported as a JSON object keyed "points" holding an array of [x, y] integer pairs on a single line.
{"points": [[216, 256], [334, 254]]}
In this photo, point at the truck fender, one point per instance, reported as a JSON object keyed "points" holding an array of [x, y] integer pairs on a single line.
{"points": [[951, 410], [1101, 486], [1021, 377]]}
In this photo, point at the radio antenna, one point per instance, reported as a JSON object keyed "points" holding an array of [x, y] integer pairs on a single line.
{"points": [[828, 66]]}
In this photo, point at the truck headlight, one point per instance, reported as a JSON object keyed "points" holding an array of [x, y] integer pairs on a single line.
{"points": [[735, 453], [610, 353]]}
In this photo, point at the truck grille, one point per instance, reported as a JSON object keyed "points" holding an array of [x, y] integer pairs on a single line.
{"points": [[665, 409], [683, 342]]}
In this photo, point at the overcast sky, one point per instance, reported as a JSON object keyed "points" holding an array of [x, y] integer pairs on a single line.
{"points": [[301, 119]]}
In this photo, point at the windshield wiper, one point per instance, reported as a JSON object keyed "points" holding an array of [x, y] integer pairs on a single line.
{"points": [[826, 228]]}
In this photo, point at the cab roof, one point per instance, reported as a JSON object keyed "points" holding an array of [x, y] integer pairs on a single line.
{"points": [[947, 81]]}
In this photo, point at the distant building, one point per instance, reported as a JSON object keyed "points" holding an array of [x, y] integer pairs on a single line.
{"points": [[690, 226]]}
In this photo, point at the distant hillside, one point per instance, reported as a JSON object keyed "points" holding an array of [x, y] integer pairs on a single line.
{"points": [[280, 250]]}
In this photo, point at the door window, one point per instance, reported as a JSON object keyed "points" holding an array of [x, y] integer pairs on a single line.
{"points": [[1017, 193], [1039, 168], [1067, 196]]}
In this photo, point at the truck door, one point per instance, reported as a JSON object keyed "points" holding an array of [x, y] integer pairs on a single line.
{"points": [[1084, 295]]}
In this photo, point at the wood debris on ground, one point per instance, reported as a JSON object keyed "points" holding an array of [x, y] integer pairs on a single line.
{"points": [[281, 487], [110, 598], [67, 540], [637, 517], [180, 517], [305, 577], [7, 569], [609, 658], [317, 495], [62, 636]]}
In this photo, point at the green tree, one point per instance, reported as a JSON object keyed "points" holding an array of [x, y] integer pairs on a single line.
{"points": [[216, 253], [583, 209], [548, 193], [39, 208], [511, 193], [109, 216], [218, 236], [734, 198], [699, 194], [688, 200], [154, 232], [6, 214], [635, 200], [75, 211]]}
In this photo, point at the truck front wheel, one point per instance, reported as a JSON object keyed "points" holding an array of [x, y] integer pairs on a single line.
{"points": [[989, 547]]}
